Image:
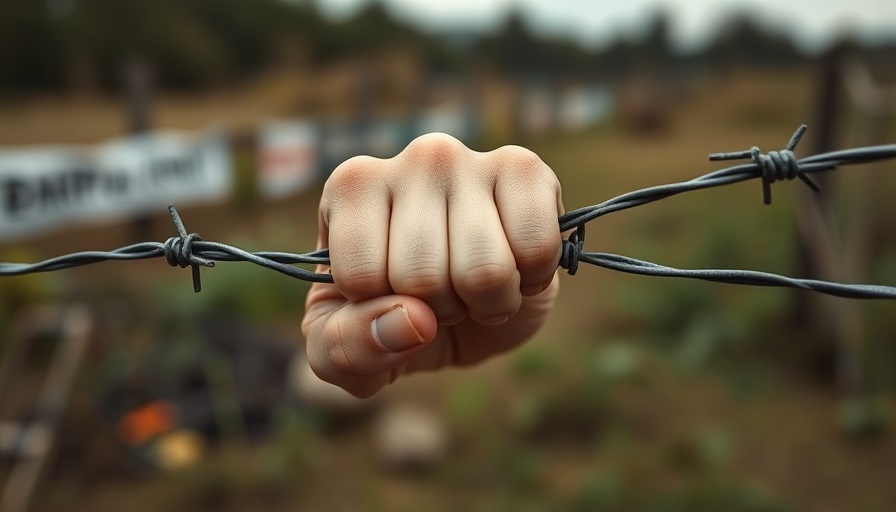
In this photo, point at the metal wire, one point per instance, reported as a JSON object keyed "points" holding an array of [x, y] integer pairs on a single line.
{"points": [[188, 249], [184, 250]]}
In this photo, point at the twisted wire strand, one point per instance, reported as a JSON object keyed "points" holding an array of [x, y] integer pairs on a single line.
{"points": [[728, 176], [185, 250], [189, 250]]}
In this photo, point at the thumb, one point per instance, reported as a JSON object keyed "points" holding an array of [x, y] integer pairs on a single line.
{"points": [[360, 345]]}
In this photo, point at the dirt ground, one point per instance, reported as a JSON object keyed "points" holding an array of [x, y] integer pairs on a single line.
{"points": [[609, 408]]}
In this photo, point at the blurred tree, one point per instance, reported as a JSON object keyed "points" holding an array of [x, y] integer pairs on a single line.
{"points": [[651, 51], [656, 49], [745, 40], [515, 49], [191, 43], [32, 50], [373, 28], [55, 44]]}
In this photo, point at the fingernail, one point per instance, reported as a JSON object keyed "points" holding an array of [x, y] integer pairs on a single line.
{"points": [[453, 319], [495, 320], [394, 331], [532, 289]]}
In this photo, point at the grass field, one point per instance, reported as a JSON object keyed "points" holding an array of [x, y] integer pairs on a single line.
{"points": [[640, 394]]}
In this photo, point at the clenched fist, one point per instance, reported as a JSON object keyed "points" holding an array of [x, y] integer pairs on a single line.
{"points": [[441, 256]]}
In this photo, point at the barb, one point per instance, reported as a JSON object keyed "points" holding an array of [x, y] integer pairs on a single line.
{"points": [[777, 165], [178, 250], [190, 250], [184, 250]]}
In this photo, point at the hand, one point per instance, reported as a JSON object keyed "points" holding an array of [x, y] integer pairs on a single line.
{"points": [[441, 256]]}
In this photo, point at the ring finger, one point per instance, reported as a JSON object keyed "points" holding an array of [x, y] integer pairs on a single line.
{"points": [[418, 253], [483, 269]]}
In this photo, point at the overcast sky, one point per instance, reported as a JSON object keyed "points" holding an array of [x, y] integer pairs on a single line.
{"points": [[813, 22]]}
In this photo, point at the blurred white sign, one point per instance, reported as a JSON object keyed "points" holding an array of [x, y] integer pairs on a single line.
{"points": [[287, 157], [537, 110], [582, 107], [49, 186]]}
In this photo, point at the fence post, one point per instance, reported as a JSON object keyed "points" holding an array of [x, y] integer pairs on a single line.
{"points": [[137, 84], [820, 246]]}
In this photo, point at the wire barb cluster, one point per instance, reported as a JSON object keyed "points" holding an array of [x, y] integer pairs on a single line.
{"points": [[571, 250], [178, 250], [189, 250], [775, 166], [771, 167]]}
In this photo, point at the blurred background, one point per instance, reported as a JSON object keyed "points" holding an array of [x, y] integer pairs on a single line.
{"points": [[121, 389]]}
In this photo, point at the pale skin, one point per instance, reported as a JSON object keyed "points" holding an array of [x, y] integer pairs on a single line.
{"points": [[441, 256]]}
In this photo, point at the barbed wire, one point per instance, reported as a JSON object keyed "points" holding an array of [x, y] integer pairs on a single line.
{"points": [[189, 250]]}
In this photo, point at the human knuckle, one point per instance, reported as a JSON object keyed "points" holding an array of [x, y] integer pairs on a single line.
{"points": [[521, 157], [352, 175], [336, 358], [537, 252], [345, 367], [526, 165], [522, 160], [485, 277], [436, 151], [420, 281], [362, 273]]}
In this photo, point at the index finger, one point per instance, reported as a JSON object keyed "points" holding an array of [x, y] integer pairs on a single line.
{"points": [[527, 194], [356, 206]]}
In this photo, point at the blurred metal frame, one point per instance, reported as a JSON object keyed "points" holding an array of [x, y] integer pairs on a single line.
{"points": [[842, 76], [31, 445]]}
